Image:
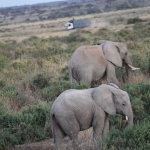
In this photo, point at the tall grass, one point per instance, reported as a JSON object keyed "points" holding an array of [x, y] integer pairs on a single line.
{"points": [[33, 73]]}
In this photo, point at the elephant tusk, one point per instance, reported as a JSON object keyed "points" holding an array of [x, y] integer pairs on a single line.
{"points": [[127, 118], [133, 68]]}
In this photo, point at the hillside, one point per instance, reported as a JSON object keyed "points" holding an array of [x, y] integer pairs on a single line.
{"points": [[33, 72], [61, 9]]}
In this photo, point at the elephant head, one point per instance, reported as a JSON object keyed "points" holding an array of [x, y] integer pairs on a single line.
{"points": [[117, 53], [113, 100]]}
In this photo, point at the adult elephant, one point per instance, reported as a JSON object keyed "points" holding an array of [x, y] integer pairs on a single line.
{"points": [[91, 63], [78, 110]]}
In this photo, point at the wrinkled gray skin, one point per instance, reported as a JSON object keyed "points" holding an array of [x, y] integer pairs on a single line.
{"points": [[91, 63], [78, 110]]}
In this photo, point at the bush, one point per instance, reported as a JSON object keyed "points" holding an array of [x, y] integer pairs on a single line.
{"points": [[126, 34], [140, 62], [134, 20], [18, 66], [2, 84], [39, 81], [106, 34], [3, 61], [73, 37], [16, 98], [32, 124], [136, 137], [140, 98], [50, 93]]}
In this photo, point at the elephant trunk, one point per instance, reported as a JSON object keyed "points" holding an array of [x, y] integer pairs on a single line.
{"points": [[128, 68], [130, 117], [128, 63]]}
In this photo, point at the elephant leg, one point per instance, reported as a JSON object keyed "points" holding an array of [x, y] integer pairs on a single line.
{"points": [[98, 131], [106, 126], [74, 82], [59, 135], [111, 74], [86, 77], [70, 126]]}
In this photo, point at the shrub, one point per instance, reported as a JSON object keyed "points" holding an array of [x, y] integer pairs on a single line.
{"points": [[2, 84], [3, 106], [16, 98], [136, 137], [134, 20], [140, 98], [50, 93], [32, 124], [106, 34], [39, 81], [126, 34], [18, 66], [3, 61], [47, 52], [73, 37], [140, 62]]}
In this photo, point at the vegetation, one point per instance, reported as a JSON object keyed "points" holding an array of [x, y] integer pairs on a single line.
{"points": [[61, 9], [34, 72], [134, 20]]}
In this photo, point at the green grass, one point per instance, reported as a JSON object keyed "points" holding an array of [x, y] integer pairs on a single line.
{"points": [[34, 72]]}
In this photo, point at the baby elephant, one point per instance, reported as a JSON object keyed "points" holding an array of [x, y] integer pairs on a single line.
{"points": [[78, 110]]}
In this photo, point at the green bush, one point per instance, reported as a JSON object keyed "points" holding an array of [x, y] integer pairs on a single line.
{"points": [[126, 34], [73, 37], [2, 84], [141, 31], [18, 66], [31, 124], [15, 96], [140, 99], [136, 137], [134, 20], [3, 61], [50, 93], [3, 106], [140, 62], [39, 81]]}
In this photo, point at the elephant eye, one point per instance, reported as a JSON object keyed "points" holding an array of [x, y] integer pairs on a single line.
{"points": [[126, 53], [123, 104]]}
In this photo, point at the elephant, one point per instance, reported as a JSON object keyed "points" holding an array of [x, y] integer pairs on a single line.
{"points": [[91, 63], [77, 110]]}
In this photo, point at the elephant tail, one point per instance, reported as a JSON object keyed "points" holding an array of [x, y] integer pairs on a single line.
{"points": [[53, 125]]}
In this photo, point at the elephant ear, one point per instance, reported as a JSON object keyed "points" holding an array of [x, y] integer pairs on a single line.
{"points": [[103, 97], [111, 52]]}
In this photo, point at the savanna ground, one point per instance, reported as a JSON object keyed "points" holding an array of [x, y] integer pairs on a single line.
{"points": [[33, 72]]}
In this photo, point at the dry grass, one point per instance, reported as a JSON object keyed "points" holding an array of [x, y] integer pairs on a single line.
{"points": [[44, 29], [18, 32]]}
